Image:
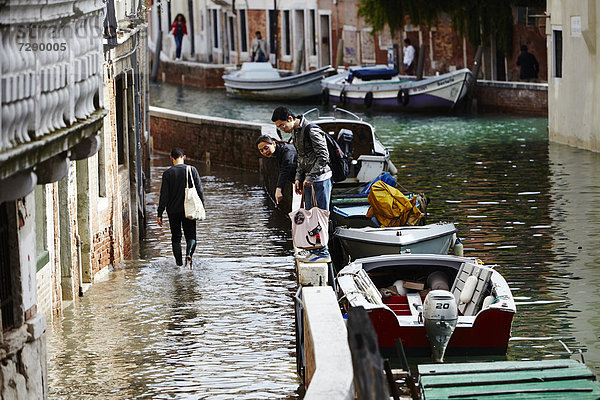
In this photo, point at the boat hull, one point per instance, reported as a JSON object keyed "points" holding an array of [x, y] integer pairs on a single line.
{"points": [[286, 88], [369, 242], [440, 92], [489, 335], [393, 289]]}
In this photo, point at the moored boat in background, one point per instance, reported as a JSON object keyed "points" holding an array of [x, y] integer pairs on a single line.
{"points": [[382, 87], [260, 81]]}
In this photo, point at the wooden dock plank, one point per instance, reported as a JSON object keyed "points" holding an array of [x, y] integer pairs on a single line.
{"points": [[576, 389], [514, 380], [507, 377], [458, 368]]}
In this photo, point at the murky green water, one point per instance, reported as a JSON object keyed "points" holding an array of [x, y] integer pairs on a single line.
{"points": [[225, 329]]}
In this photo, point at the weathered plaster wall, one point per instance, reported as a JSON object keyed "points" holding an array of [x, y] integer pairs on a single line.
{"points": [[573, 99]]}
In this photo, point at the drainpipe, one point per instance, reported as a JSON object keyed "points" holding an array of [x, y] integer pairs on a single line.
{"points": [[79, 244], [157, 48]]}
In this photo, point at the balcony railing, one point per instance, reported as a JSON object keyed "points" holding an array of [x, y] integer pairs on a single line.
{"points": [[50, 67]]}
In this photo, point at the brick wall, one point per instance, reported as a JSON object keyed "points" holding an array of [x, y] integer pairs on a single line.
{"points": [[513, 97], [229, 142], [192, 74], [44, 290], [103, 249]]}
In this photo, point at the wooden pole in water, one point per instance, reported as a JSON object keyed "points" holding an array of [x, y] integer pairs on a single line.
{"points": [[369, 380], [156, 59], [339, 57], [471, 101], [421, 62]]}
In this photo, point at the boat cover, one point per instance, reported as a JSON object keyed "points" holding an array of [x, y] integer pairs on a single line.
{"points": [[391, 207], [369, 74]]}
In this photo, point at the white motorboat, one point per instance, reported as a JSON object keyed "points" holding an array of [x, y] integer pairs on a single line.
{"points": [[260, 81], [382, 87], [407, 297], [435, 238]]}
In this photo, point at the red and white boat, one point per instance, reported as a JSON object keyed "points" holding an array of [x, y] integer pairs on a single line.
{"points": [[406, 293]]}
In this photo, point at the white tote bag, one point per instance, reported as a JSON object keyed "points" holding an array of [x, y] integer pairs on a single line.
{"points": [[310, 227], [192, 205]]}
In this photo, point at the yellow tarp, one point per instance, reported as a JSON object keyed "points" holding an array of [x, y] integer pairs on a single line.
{"points": [[391, 207]]}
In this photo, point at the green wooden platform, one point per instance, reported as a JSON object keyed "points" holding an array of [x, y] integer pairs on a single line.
{"points": [[548, 379]]}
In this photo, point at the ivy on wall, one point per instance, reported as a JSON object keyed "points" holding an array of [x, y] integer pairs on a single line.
{"points": [[477, 20]]}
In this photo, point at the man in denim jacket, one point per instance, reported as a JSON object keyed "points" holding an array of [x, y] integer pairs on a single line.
{"points": [[313, 171]]}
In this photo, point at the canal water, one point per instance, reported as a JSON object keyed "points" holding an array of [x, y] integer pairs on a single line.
{"points": [[225, 329]]}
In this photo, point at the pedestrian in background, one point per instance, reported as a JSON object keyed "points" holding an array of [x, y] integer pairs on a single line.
{"points": [[287, 158], [312, 170], [179, 29], [530, 67], [260, 48], [409, 57], [172, 193]]}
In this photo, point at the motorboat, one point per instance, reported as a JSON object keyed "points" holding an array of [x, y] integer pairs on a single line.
{"points": [[382, 87], [368, 157], [260, 81], [434, 304], [435, 238]]}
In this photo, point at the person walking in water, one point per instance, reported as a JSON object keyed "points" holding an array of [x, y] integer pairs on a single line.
{"points": [[260, 48], [172, 193], [286, 156], [179, 29], [312, 170]]}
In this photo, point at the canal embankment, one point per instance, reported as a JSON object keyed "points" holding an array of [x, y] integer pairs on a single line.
{"points": [[511, 97], [208, 139]]}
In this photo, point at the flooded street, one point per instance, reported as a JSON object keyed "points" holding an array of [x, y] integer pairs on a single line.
{"points": [[156, 331], [224, 330]]}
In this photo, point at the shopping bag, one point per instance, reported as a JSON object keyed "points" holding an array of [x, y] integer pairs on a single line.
{"points": [[310, 227], [192, 205]]}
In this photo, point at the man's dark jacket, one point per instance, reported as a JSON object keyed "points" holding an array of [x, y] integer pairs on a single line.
{"points": [[172, 190], [287, 158]]}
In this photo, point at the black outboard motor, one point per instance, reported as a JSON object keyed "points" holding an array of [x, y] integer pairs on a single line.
{"points": [[346, 141]]}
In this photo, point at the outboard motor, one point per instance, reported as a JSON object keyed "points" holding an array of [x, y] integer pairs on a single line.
{"points": [[440, 314], [346, 141]]}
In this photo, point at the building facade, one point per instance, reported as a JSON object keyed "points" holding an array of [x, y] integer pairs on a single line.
{"points": [[73, 135], [574, 73], [315, 33]]}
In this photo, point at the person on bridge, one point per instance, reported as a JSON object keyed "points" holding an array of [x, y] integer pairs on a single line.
{"points": [[172, 193], [312, 170], [287, 159]]}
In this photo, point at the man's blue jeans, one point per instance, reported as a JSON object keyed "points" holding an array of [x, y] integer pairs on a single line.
{"points": [[322, 194]]}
